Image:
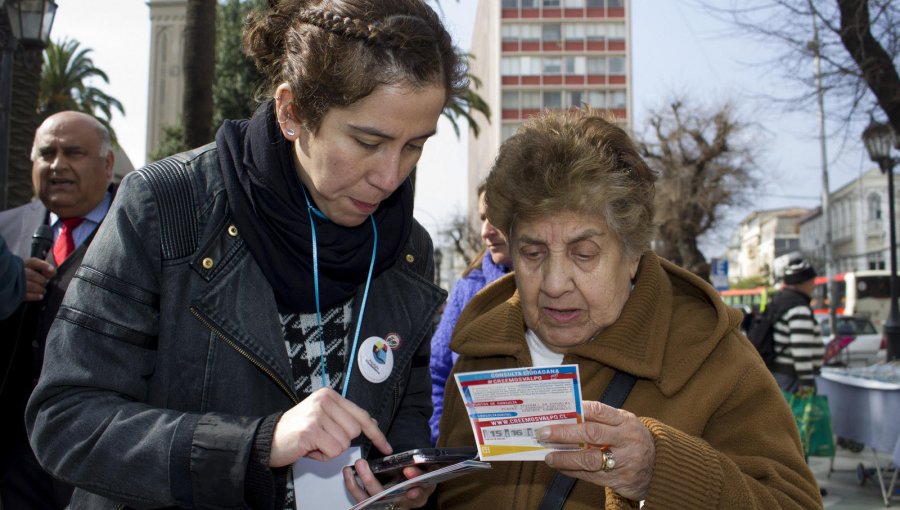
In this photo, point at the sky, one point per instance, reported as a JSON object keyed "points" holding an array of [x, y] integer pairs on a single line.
{"points": [[677, 50]]}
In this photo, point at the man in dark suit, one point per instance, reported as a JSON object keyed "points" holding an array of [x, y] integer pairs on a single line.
{"points": [[71, 172]]}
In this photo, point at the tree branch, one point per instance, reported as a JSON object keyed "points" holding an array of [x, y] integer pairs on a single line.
{"points": [[877, 67]]}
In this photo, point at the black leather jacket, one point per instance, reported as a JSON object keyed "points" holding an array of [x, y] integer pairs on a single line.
{"points": [[168, 350]]}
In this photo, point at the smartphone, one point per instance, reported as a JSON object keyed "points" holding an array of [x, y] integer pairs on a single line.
{"points": [[389, 470]]}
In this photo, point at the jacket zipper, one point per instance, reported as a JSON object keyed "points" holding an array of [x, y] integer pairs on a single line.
{"points": [[245, 354]]}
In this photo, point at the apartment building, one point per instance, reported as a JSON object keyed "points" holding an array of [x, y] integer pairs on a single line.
{"points": [[537, 54]]}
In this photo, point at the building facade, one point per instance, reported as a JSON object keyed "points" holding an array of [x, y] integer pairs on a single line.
{"points": [[535, 54], [860, 225], [860, 232], [759, 239], [166, 87]]}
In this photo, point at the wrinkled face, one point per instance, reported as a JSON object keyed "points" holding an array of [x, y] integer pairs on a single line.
{"points": [[572, 277], [362, 153], [68, 173], [493, 239]]}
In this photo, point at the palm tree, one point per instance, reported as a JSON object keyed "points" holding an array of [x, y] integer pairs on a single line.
{"points": [[66, 84], [464, 106], [199, 71]]}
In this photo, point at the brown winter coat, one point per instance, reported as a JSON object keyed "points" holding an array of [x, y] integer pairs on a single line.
{"points": [[724, 436]]}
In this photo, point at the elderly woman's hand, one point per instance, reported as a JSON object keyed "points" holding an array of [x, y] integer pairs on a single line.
{"points": [[606, 429]]}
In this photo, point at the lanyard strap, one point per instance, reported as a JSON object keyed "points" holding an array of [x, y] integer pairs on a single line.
{"points": [[362, 309]]}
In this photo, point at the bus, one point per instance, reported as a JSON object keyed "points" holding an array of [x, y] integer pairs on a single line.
{"points": [[863, 293], [748, 299]]}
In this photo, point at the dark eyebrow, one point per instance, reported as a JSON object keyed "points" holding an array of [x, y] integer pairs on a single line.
{"points": [[375, 132]]}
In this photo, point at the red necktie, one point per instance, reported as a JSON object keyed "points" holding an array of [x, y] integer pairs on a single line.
{"points": [[65, 243]]}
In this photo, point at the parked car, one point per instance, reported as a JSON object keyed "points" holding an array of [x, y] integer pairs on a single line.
{"points": [[858, 341]]}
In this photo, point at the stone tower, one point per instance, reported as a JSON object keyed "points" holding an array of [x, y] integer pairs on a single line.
{"points": [[166, 88]]}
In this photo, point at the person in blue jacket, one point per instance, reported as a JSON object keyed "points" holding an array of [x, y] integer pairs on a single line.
{"points": [[492, 262]]}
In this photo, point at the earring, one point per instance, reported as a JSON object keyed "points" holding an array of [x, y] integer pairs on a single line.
{"points": [[290, 132]]}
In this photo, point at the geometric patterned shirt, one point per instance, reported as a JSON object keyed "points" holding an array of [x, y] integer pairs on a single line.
{"points": [[304, 348], [301, 339], [798, 344]]}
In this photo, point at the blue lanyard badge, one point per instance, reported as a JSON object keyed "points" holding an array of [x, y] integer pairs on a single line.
{"points": [[311, 210]]}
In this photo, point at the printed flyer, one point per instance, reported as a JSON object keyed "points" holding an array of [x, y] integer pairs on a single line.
{"points": [[506, 407]]}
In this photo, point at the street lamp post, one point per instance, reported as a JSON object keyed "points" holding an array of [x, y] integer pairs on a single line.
{"points": [[879, 139], [30, 22]]}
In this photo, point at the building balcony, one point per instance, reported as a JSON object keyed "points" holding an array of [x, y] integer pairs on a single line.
{"points": [[510, 114], [874, 227], [557, 79], [567, 13], [509, 46]]}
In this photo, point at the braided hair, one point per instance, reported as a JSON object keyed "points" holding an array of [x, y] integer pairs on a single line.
{"points": [[336, 52]]}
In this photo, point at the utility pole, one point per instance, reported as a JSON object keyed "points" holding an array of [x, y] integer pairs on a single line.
{"points": [[815, 46]]}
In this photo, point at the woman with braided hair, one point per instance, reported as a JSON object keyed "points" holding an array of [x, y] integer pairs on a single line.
{"points": [[261, 307]]}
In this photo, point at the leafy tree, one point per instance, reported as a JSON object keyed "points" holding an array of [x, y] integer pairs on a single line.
{"points": [[66, 84], [171, 142], [705, 165], [751, 282], [237, 77], [858, 45]]}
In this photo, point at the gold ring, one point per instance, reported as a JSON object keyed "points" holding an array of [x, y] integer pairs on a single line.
{"points": [[608, 461]]}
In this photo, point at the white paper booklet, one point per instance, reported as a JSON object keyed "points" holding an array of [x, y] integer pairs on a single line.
{"points": [[506, 407], [321, 484]]}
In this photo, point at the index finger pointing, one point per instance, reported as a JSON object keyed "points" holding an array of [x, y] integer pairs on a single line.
{"points": [[379, 440], [354, 420]]}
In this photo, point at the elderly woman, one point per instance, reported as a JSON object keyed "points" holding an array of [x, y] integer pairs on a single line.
{"points": [[704, 426]]}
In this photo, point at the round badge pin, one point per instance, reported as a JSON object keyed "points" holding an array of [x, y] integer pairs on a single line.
{"points": [[375, 359], [393, 340]]}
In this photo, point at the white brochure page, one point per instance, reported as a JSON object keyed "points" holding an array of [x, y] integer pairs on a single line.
{"points": [[321, 484]]}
